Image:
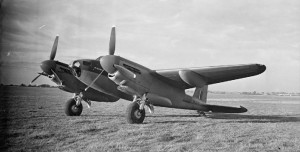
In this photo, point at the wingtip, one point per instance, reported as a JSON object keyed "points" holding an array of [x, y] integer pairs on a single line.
{"points": [[261, 68], [243, 109]]}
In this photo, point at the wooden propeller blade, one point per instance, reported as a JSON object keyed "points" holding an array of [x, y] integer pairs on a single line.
{"points": [[36, 78], [54, 48], [112, 42]]}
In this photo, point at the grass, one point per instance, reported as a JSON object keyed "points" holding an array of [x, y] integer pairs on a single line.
{"points": [[33, 119]]}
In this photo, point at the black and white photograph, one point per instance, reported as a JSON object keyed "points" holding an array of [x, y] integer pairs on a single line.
{"points": [[150, 75]]}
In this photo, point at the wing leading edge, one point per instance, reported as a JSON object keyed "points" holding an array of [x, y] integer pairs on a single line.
{"points": [[212, 74]]}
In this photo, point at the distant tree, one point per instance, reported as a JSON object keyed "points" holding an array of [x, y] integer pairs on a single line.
{"points": [[44, 85], [23, 85]]}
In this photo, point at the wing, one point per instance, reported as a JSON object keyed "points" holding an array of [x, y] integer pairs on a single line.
{"points": [[210, 75]]}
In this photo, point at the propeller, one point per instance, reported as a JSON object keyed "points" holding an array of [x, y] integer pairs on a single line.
{"points": [[54, 48], [43, 73], [112, 42], [107, 62], [111, 52], [36, 78], [47, 65]]}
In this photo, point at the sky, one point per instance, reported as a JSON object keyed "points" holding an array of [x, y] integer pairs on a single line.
{"points": [[159, 34]]}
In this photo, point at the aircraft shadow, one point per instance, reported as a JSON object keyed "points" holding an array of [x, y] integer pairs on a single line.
{"points": [[241, 118]]}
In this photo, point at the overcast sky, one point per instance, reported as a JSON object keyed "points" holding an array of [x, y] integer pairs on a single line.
{"points": [[159, 34]]}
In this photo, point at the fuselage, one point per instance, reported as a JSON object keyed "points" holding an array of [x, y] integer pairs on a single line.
{"points": [[145, 81]]}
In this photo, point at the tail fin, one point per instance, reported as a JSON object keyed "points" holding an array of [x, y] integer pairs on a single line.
{"points": [[201, 93]]}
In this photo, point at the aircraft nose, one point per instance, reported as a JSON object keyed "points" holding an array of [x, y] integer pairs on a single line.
{"points": [[47, 65], [107, 63]]}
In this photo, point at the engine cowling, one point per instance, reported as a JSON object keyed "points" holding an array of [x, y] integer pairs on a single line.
{"points": [[127, 85]]}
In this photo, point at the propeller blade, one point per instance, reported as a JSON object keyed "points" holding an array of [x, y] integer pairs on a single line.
{"points": [[36, 78], [112, 42], [60, 82], [54, 48], [93, 81], [125, 71]]}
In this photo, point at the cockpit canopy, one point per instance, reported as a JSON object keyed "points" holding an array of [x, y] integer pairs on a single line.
{"points": [[76, 68], [88, 65]]}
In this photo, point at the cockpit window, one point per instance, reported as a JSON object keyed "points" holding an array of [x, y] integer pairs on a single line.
{"points": [[76, 64], [76, 68], [86, 63]]}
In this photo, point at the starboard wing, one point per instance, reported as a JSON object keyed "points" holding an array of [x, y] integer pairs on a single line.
{"points": [[211, 74]]}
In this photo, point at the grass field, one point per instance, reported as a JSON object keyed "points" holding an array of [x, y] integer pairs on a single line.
{"points": [[33, 119]]}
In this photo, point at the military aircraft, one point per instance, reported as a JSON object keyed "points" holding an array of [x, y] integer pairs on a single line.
{"points": [[111, 77]]}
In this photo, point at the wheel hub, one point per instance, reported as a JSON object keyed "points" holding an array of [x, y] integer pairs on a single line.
{"points": [[137, 114], [74, 108]]}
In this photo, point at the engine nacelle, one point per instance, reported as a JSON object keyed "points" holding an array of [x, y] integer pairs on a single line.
{"points": [[117, 77], [127, 85]]}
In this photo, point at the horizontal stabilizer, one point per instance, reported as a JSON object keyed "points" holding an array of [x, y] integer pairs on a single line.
{"points": [[225, 109]]}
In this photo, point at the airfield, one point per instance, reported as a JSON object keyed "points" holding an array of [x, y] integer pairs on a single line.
{"points": [[33, 119]]}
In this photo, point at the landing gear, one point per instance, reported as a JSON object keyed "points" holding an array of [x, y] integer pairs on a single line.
{"points": [[136, 110], [134, 114], [201, 113], [72, 108]]}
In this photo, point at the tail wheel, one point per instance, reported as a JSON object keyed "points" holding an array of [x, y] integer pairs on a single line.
{"points": [[134, 114], [71, 109]]}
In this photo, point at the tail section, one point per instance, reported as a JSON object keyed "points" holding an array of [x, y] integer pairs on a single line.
{"points": [[200, 98]]}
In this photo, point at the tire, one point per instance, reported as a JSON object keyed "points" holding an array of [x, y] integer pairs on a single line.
{"points": [[134, 115], [71, 109]]}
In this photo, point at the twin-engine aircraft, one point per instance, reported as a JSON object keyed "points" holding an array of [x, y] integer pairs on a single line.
{"points": [[109, 78]]}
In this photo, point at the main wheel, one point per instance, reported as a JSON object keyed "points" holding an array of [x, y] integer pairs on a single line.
{"points": [[134, 114], [71, 109]]}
